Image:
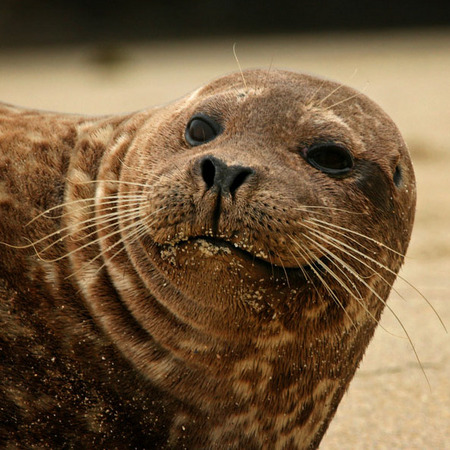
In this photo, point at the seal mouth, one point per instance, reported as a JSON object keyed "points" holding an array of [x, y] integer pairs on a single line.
{"points": [[212, 246]]}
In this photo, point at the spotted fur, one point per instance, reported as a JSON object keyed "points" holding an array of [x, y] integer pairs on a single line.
{"points": [[142, 308]]}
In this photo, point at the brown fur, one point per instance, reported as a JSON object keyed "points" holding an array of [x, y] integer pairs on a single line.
{"points": [[151, 311]]}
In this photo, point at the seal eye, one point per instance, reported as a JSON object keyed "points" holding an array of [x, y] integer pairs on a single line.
{"points": [[331, 159], [201, 129]]}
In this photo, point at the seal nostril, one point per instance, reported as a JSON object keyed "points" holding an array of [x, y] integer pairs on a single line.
{"points": [[239, 179], [208, 172], [221, 177]]}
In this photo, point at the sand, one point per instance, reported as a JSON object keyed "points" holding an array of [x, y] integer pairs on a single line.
{"points": [[389, 404]]}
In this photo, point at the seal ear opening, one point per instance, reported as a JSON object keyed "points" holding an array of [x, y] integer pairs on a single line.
{"points": [[398, 176]]}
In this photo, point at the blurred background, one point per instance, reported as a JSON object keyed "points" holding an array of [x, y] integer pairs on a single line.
{"points": [[102, 57], [32, 22]]}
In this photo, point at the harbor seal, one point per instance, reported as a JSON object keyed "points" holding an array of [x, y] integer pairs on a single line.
{"points": [[206, 274]]}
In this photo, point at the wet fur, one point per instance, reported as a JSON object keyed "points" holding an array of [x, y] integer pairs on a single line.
{"points": [[124, 324]]}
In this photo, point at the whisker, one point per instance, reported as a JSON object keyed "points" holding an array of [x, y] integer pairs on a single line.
{"points": [[337, 227], [309, 102], [304, 272], [344, 285], [330, 94], [342, 101], [267, 75], [84, 200], [130, 215], [382, 266], [240, 68], [111, 218], [285, 274], [271, 265], [85, 245], [357, 94], [343, 247], [110, 247], [324, 283], [126, 183], [140, 231], [340, 233], [140, 170], [88, 222], [132, 202], [308, 208], [393, 313], [343, 265]]}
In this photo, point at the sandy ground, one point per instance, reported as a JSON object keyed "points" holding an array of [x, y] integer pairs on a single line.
{"points": [[389, 404]]}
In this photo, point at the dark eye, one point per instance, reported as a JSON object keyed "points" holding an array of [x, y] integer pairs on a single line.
{"points": [[201, 129], [331, 159]]}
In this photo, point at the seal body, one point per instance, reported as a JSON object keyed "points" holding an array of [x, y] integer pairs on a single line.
{"points": [[206, 274]]}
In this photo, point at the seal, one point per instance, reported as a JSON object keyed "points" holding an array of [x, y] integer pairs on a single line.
{"points": [[206, 274]]}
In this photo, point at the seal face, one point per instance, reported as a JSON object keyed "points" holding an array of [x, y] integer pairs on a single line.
{"points": [[205, 274]]}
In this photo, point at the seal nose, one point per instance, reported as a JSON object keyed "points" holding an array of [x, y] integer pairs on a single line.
{"points": [[226, 179]]}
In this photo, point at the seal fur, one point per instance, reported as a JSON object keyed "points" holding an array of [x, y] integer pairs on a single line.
{"points": [[159, 291]]}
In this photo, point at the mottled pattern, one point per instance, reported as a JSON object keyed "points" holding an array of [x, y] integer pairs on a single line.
{"points": [[143, 308]]}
